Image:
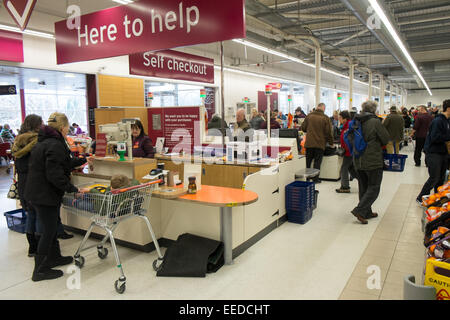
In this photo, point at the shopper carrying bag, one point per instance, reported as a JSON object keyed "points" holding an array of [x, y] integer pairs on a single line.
{"points": [[21, 150], [48, 179]]}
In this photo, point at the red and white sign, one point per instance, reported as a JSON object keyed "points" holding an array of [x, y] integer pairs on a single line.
{"points": [[20, 11], [276, 85], [12, 46], [173, 65], [149, 25], [180, 126], [100, 145]]}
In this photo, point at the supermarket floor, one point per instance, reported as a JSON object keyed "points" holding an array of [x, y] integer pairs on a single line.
{"points": [[327, 258]]}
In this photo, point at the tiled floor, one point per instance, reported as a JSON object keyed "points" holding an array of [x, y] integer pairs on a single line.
{"points": [[327, 258]]}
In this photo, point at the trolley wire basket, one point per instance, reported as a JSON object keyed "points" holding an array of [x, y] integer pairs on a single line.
{"points": [[106, 210]]}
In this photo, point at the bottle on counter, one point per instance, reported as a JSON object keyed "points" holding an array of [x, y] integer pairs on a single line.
{"points": [[192, 187]]}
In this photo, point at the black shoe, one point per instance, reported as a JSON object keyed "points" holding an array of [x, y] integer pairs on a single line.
{"points": [[42, 271], [55, 259], [343, 190], [317, 181], [65, 236], [32, 244]]}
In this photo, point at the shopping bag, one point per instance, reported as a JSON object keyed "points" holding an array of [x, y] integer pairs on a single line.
{"points": [[13, 192]]}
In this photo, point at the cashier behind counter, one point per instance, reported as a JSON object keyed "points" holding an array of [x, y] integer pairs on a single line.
{"points": [[142, 144]]}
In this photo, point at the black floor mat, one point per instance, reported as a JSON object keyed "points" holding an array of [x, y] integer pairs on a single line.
{"points": [[192, 256]]}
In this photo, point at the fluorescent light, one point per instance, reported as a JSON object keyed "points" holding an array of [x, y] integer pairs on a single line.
{"points": [[123, 1], [397, 39], [28, 32], [285, 56], [69, 75], [34, 80]]}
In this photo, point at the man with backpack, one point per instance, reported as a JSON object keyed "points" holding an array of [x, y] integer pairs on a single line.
{"points": [[366, 137]]}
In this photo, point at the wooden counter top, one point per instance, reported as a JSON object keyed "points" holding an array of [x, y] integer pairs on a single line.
{"points": [[209, 196]]}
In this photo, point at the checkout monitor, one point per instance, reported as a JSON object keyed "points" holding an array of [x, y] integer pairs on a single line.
{"points": [[291, 133]]}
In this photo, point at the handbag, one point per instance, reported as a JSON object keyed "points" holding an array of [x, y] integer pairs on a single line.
{"points": [[340, 152], [13, 192]]}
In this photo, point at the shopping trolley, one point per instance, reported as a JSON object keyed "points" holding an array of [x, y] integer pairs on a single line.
{"points": [[5, 153], [107, 210]]}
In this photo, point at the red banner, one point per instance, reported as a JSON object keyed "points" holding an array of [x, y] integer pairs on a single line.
{"points": [[148, 25], [12, 46], [177, 125], [173, 65]]}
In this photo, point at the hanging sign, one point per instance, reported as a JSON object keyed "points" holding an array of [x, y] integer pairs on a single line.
{"points": [[20, 11], [12, 46], [148, 25], [276, 85], [339, 96], [172, 65], [246, 100]]}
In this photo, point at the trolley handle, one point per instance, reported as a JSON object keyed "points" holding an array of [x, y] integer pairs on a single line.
{"points": [[117, 191]]}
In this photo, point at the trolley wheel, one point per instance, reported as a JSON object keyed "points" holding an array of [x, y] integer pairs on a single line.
{"points": [[79, 262], [120, 286], [102, 253], [157, 264]]}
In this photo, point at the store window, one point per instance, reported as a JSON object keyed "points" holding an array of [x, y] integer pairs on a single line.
{"points": [[173, 95], [71, 103], [10, 112]]}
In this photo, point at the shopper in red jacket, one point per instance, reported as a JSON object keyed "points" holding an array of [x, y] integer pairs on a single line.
{"points": [[347, 163]]}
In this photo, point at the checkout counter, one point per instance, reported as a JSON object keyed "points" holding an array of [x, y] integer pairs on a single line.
{"points": [[171, 212]]}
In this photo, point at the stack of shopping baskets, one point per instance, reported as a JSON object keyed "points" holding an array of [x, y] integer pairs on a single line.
{"points": [[106, 210], [301, 200]]}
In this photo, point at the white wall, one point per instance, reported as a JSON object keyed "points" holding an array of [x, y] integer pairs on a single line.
{"points": [[416, 98]]}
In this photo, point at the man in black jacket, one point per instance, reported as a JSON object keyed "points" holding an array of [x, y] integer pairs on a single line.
{"points": [[436, 151]]}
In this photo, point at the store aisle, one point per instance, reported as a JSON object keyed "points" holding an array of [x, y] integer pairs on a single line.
{"points": [[326, 258]]}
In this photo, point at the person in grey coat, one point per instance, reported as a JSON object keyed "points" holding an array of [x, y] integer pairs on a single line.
{"points": [[370, 165]]}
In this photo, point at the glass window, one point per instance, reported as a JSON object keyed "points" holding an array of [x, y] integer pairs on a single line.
{"points": [[10, 112], [71, 103], [173, 95]]}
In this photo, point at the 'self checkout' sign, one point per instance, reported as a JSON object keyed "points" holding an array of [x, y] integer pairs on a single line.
{"points": [[173, 65], [148, 25]]}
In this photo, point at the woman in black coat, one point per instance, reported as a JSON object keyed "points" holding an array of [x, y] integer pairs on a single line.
{"points": [[48, 179], [21, 150]]}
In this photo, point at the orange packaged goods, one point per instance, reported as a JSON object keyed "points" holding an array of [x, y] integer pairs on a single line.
{"points": [[439, 244], [437, 199], [435, 212], [437, 275]]}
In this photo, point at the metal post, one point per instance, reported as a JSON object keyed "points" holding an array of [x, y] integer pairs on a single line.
{"points": [[222, 96], [390, 95], [226, 227], [350, 93], [382, 93], [318, 79], [268, 120], [370, 85]]}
